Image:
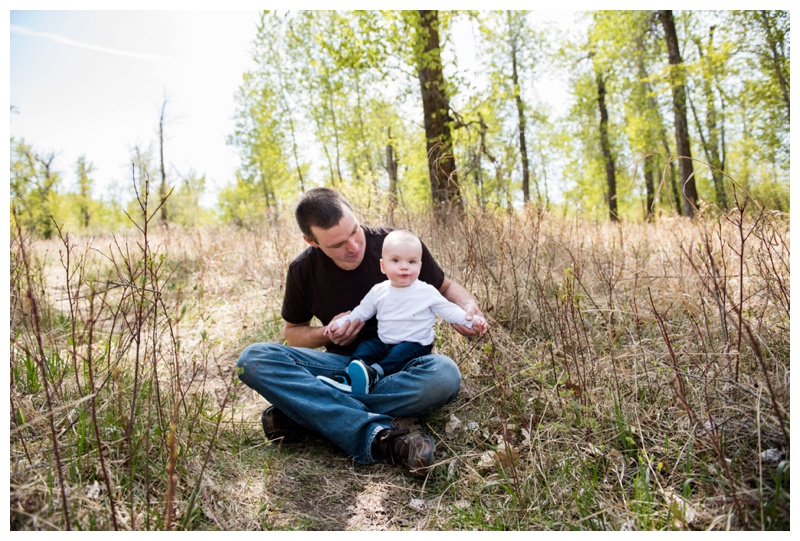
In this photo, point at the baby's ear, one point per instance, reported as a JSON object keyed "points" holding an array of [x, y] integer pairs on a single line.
{"points": [[383, 270]]}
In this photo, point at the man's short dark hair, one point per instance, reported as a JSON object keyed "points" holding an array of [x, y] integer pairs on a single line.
{"points": [[319, 207]]}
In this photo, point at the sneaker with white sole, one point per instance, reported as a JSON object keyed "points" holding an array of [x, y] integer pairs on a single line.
{"points": [[340, 381], [362, 377]]}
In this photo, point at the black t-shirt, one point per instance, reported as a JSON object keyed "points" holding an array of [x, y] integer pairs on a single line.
{"points": [[315, 286]]}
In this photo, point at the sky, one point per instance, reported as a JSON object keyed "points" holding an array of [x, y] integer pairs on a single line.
{"points": [[93, 83]]}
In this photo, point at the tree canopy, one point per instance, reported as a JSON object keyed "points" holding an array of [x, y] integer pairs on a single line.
{"points": [[670, 112]]}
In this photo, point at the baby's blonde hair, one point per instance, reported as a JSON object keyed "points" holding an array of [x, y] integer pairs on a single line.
{"points": [[402, 236]]}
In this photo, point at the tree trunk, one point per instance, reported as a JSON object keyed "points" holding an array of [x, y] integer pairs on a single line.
{"points": [[445, 188], [649, 175], [391, 169], [85, 190], [649, 165], [296, 157], [523, 148], [605, 146], [778, 58], [711, 141], [45, 189], [332, 111], [266, 189], [677, 74], [287, 114], [479, 168], [162, 191]]}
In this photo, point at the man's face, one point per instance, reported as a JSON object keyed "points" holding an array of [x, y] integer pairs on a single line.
{"points": [[344, 243]]}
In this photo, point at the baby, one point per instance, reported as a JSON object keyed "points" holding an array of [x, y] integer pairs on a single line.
{"points": [[406, 309]]}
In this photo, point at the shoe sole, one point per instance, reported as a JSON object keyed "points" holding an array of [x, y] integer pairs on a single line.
{"points": [[335, 384], [359, 377]]}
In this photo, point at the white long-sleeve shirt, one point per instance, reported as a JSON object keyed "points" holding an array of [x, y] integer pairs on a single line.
{"points": [[406, 314]]}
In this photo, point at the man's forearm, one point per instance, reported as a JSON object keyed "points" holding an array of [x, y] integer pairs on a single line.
{"points": [[460, 296], [305, 336], [456, 293]]}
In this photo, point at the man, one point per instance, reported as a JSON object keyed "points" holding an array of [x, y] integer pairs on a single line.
{"points": [[326, 281]]}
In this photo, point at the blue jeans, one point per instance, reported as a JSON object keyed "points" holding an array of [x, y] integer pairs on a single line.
{"points": [[286, 377], [390, 357]]}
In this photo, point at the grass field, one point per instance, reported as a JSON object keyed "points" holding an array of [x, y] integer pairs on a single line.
{"points": [[635, 377]]}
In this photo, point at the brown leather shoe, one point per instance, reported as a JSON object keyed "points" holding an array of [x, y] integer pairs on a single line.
{"points": [[278, 426], [406, 445]]}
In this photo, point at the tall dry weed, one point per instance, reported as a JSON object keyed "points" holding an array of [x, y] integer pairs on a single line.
{"points": [[636, 376]]}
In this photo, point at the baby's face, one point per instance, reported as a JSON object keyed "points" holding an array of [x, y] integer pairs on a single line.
{"points": [[401, 263]]}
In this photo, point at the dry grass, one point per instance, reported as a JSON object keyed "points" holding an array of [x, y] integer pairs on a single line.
{"points": [[636, 377]]}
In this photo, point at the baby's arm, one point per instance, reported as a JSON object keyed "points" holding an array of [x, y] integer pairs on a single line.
{"points": [[334, 325], [453, 313], [365, 310]]}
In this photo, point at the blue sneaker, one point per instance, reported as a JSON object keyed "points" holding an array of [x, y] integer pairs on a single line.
{"points": [[362, 377], [340, 381]]}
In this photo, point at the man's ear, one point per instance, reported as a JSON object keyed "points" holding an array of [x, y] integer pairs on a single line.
{"points": [[310, 241], [383, 270]]}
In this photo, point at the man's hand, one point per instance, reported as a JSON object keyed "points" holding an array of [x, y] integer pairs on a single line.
{"points": [[343, 334]]}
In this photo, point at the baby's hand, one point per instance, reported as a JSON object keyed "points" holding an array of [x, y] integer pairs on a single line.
{"points": [[331, 328], [479, 324]]}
